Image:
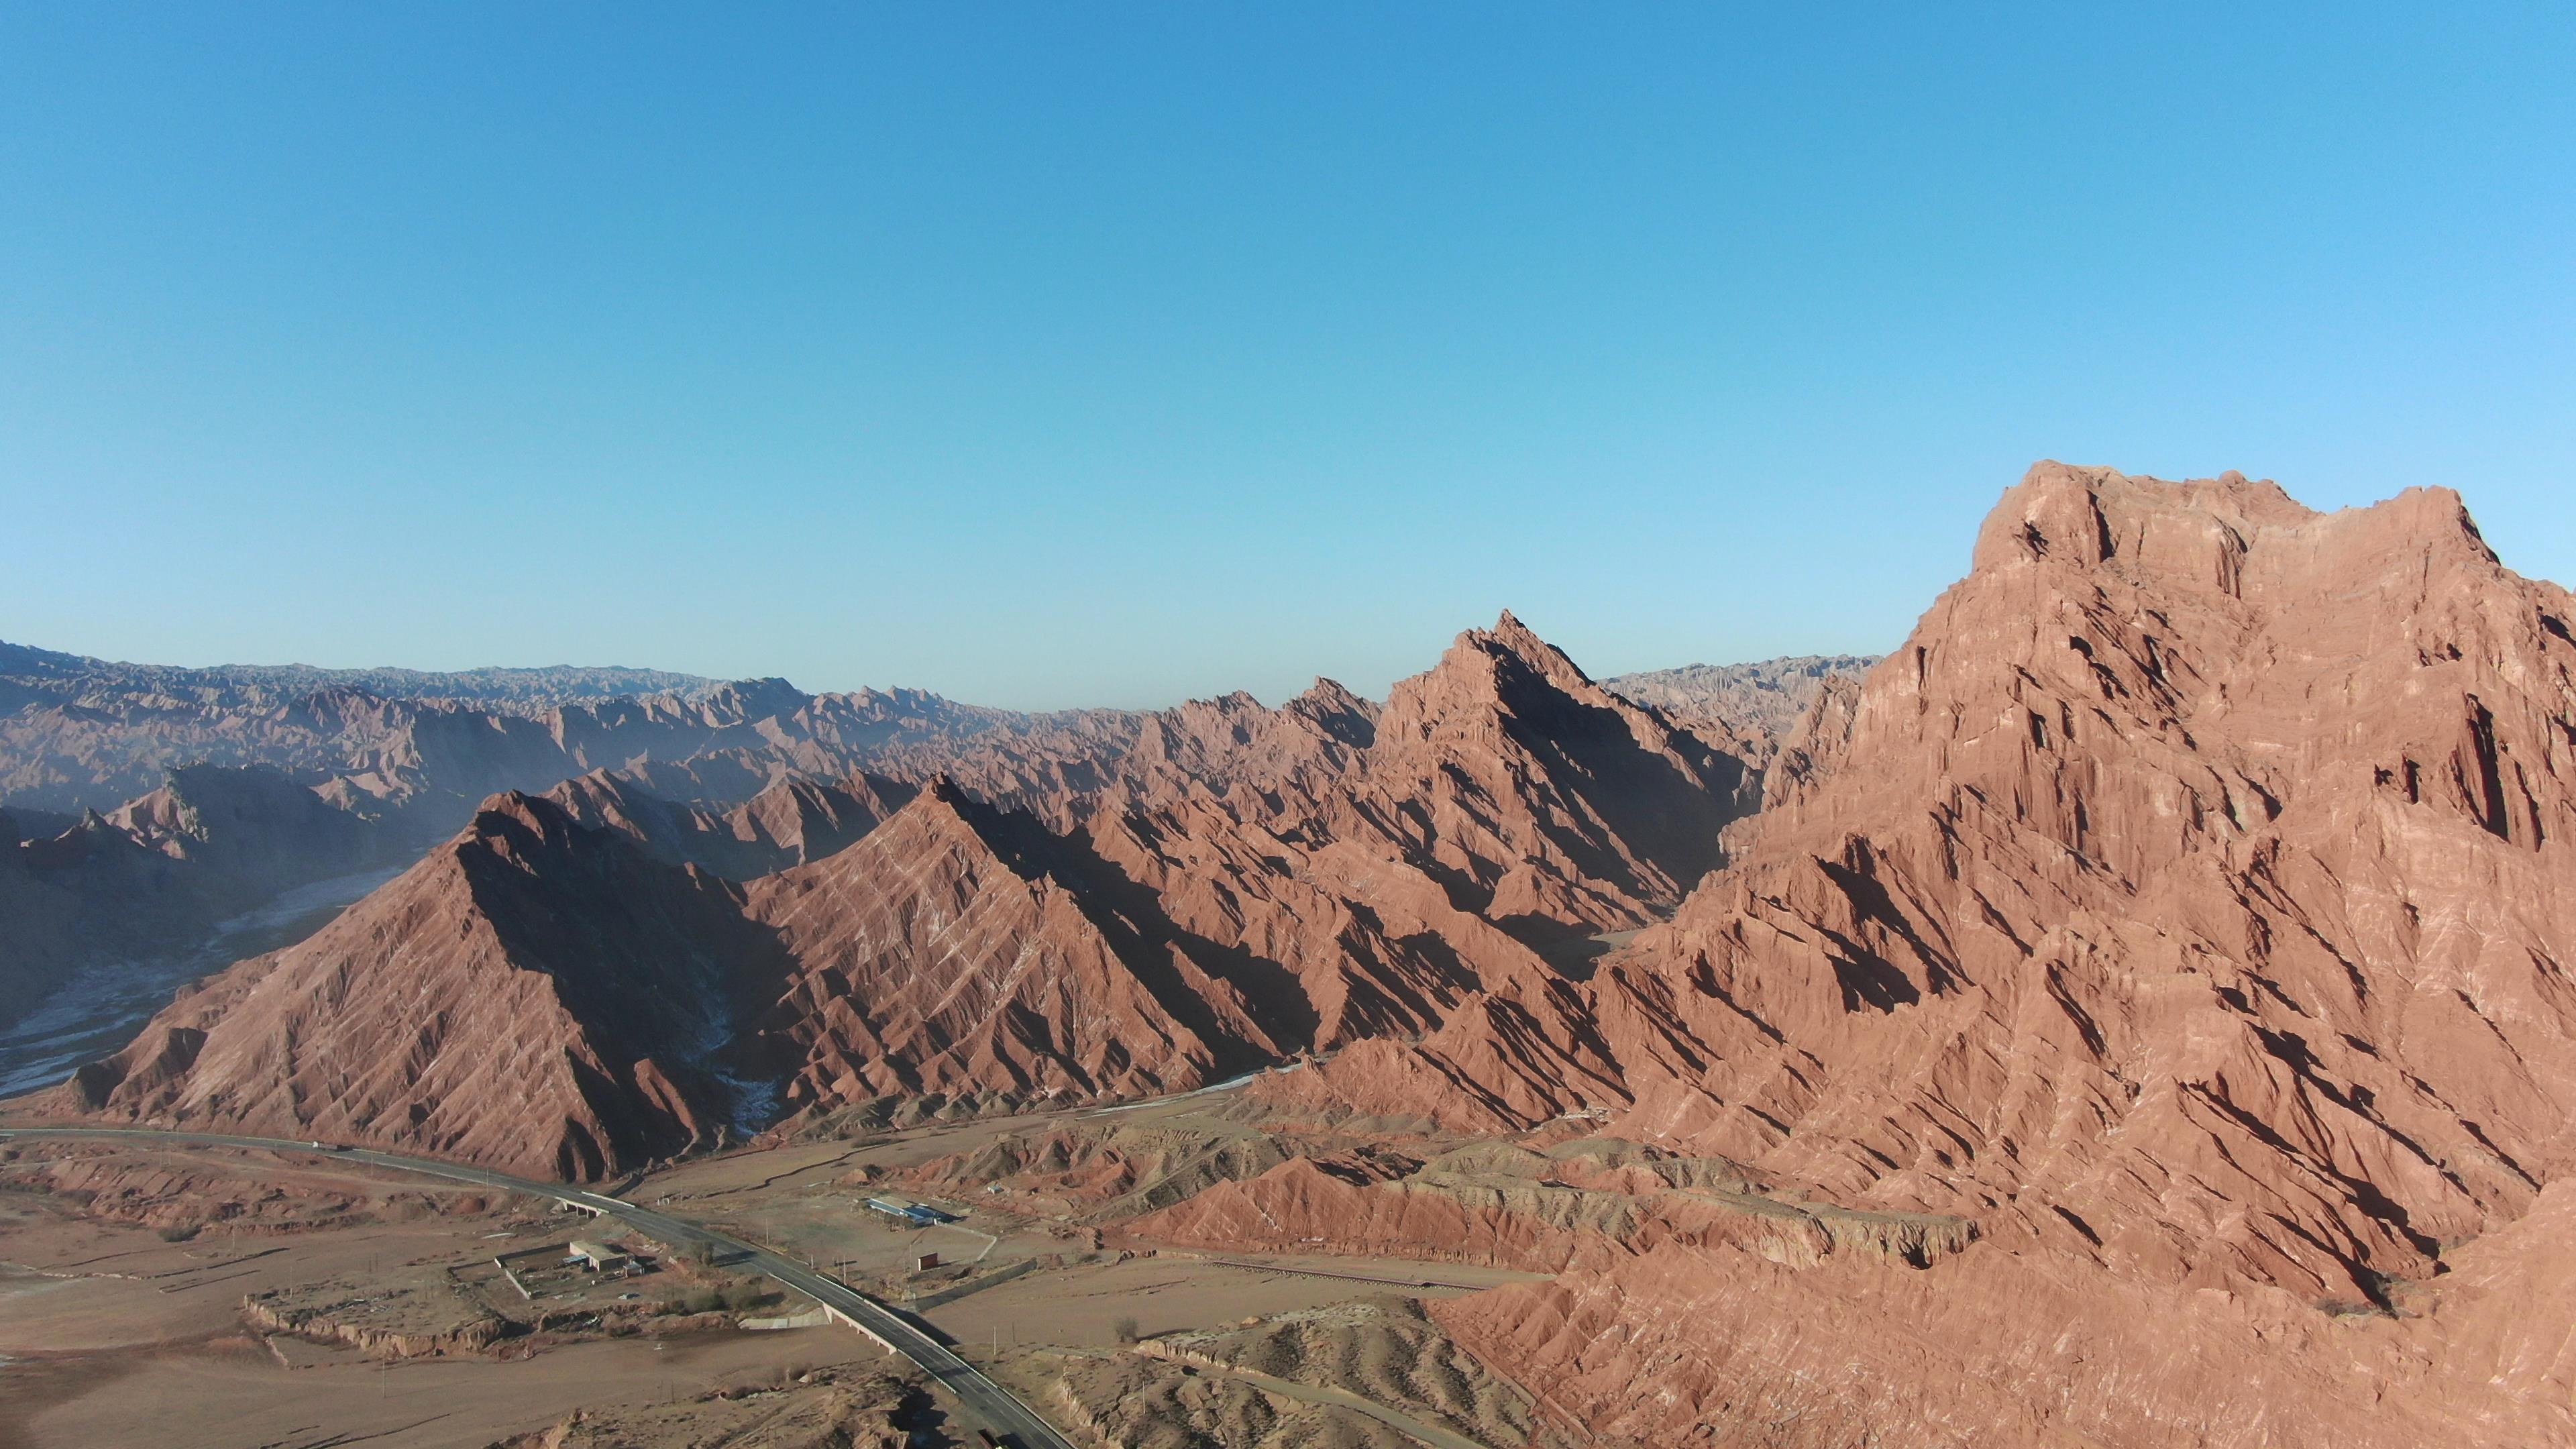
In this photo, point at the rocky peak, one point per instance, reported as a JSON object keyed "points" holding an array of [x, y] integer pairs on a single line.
{"points": [[1513, 637], [1336, 712], [2211, 536], [524, 829], [754, 699], [205, 802], [1476, 680], [940, 817], [534, 994], [1544, 798], [806, 820]]}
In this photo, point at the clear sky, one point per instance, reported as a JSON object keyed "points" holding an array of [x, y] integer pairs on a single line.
{"points": [[1086, 354]]}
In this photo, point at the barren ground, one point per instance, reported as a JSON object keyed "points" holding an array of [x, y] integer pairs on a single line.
{"points": [[114, 1334]]}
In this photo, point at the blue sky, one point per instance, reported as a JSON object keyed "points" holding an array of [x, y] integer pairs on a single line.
{"points": [[1110, 355]]}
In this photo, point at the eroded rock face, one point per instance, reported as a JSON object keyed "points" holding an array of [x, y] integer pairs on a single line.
{"points": [[2187, 869], [1566, 825], [1544, 797], [160, 873], [1238, 883], [534, 995], [951, 951], [791, 821], [1163, 900], [2180, 904], [2137, 1016]]}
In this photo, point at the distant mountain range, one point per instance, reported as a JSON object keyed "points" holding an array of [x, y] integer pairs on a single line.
{"points": [[1747, 702], [156, 801], [29, 675]]}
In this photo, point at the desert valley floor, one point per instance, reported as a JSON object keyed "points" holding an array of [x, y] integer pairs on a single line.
{"points": [[384, 1318]]}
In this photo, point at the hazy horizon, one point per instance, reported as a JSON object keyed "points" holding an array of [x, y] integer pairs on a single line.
{"points": [[629, 666]]}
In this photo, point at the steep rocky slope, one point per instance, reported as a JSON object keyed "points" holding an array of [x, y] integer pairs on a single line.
{"points": [[959, 949], [255, 790], [2178, 905], [161, 873], [1223, 885], [1542, 796], [251, 823], [2138, 1015], [756, 775], [2224, 831], [791, 821], [534, 994], [53, 923]]}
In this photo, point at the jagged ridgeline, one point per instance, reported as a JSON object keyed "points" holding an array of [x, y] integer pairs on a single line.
{"points": [[913, 899]]}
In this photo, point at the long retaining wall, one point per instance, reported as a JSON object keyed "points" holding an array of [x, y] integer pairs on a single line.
{"points": [[952, 1293]]}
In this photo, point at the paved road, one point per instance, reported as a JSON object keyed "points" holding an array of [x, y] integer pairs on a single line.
{"points": [[988, 1405]]}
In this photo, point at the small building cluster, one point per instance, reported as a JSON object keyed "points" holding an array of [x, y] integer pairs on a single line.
{"points": [[917, 1214], [600, 1258]]}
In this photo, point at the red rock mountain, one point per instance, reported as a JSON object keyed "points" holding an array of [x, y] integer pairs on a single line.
{"points": [[791, 821], [534, 994], [252, 822], [961, 950], [1215, 888], [743, 778], [162, 872], [1542, 796], [2178, 906]]}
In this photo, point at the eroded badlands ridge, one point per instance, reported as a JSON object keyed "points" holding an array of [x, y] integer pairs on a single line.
{"points": [[218, 772], [533, 994], [2184, 905], [1193, 894]]}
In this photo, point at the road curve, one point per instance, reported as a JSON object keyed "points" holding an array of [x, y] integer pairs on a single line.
{"points": [[988, 1405]]}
